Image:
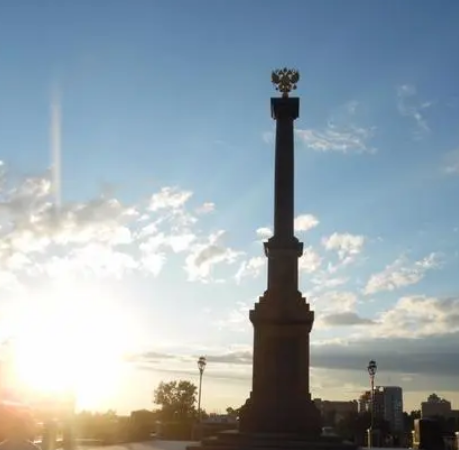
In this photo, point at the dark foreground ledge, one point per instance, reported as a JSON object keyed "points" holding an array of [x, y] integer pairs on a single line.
{"points": [[234, 440]]}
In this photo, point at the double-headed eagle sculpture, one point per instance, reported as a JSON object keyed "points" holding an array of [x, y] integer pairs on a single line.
{"points": [[285, 80]]}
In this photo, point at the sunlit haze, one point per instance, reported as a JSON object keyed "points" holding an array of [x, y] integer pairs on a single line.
{"points": [[137, 188]]}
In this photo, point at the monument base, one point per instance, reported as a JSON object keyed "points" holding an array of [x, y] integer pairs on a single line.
{"points": [[235, 440]]}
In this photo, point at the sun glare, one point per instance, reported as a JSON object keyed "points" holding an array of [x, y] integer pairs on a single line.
{"points": [[70, 341]]}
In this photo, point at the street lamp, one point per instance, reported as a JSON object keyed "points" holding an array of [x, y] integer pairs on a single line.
{"points": [[372, 367], [201, 366]]}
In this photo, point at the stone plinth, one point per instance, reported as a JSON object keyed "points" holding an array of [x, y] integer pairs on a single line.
{"points": [[281, 360]]}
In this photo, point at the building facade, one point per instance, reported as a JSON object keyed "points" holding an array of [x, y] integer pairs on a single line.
{"points": [[387, 405], [393, 407]]}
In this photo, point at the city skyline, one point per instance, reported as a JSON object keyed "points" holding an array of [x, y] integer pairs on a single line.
{"points": [[141, 247]]}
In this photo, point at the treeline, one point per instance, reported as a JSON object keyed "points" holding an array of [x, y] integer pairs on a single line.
{"points": [[174, 416]]}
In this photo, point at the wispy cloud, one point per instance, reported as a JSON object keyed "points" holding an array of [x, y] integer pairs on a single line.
{"points": [[206, 208], [401, 273], [341, 134], [251, 268], [268, 137], [409, 106], [347, 245], [204, 256], [341, 139], [310, 261], [450, 164], [351, 107]]}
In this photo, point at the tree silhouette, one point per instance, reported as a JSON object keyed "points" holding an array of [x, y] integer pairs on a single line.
{"points": [[233, 412], [177, 400]]}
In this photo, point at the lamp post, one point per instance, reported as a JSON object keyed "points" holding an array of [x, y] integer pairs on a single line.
{"points": [[201, 366], [372, 367]]}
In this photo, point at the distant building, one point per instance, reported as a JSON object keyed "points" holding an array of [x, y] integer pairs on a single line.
{"points": [[365, 400], [336, 410], [393, 407], [388, 405], [436, 407]]}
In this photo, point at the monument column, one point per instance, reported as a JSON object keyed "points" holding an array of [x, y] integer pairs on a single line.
{"points": [[280, 401]]}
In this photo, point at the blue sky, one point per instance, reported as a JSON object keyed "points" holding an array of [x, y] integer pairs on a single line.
{"points": [[167, 184]]}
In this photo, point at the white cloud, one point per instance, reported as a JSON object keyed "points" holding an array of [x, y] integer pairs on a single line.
{"points": [[169, 198], [30, 224], [310, 261], [204, 256], [347, 245], [96, 259], [305, 222], [264, 233], [251, 268], [206, 208], [181, 242], [153, 262], [419, 316], [9, 281], [336, 301], [424, 327], [338, 308], [401, 273], [102, 236], [161, 241], [324, 281], [345, 139], [339, 135], [409, 106]]}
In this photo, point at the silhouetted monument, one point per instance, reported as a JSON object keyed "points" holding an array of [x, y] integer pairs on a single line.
{"points": [[280, 412], [280, 401]]}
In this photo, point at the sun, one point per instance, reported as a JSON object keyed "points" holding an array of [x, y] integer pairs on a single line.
{"points": [[70, 341]]}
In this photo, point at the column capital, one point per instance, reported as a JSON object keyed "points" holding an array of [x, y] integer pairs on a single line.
{"points": [[278, 246], [285, 108]]}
